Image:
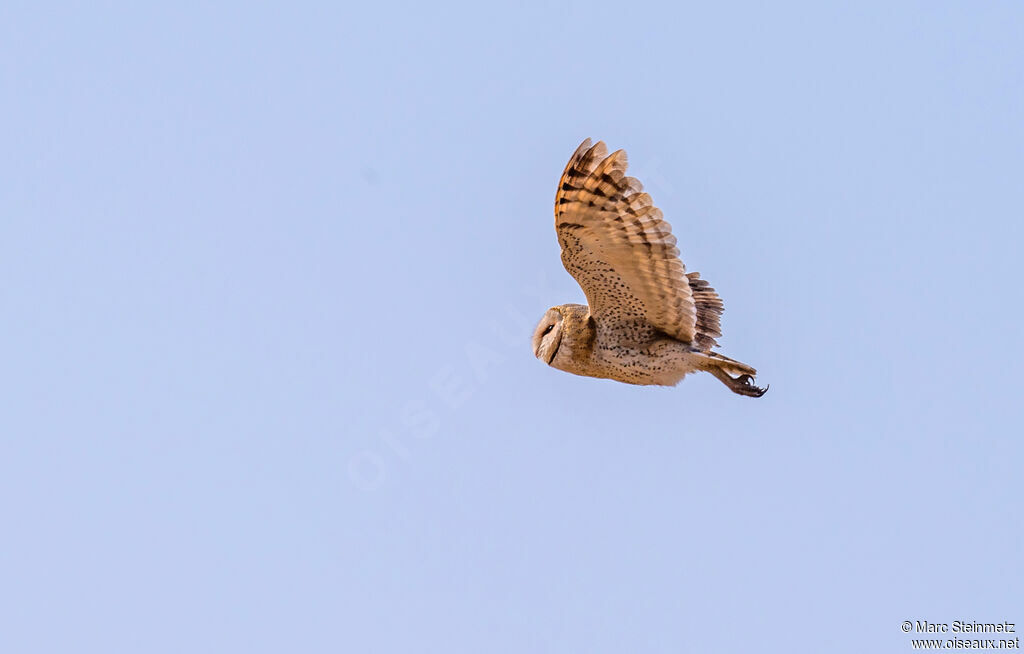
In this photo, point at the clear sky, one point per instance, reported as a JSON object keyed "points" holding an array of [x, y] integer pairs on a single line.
{"points": [[268, 277]]}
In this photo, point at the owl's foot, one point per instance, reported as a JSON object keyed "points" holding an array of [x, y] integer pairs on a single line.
{"points": [[742, 385]]}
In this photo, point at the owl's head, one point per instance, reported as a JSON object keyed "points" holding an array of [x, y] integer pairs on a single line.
{"points": [[548, 336]]}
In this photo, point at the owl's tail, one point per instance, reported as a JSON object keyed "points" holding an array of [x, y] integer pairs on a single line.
{"points": [[723, 368]]}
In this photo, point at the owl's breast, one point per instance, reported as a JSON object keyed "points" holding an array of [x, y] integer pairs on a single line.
{"points": [[641, 357]]}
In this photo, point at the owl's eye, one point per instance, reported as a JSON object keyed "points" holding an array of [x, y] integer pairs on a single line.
{"points": [[547, 330]]}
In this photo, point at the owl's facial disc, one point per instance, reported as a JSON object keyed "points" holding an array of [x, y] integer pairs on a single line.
{"points": [[548, 336]]}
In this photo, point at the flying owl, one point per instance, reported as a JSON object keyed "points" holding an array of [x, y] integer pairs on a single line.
{"points": [[648, 320]]}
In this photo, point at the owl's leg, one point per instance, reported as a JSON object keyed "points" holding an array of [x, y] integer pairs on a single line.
{"points": [[742, 385]]}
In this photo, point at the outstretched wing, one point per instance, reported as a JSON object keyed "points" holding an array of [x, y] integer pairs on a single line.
{"points": [[623, 254]]}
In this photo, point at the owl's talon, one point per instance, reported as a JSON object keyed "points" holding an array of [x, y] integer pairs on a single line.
{"points": [[745, 386]]}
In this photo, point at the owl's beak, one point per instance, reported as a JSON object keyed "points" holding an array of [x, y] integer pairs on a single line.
{"points": [[555, 352]]}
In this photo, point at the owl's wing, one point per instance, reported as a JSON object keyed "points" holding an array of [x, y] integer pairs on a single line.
{"points": [[620, 250]]}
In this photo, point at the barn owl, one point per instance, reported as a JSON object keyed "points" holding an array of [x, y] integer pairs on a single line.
{"points": [[648, 321]]}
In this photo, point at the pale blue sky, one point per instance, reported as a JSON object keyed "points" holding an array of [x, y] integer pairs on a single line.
{"points": [[269, 277]]}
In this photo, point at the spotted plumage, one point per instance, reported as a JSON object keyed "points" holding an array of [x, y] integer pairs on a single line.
{"points": [[648, 321]]}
